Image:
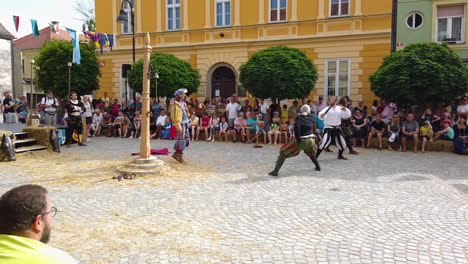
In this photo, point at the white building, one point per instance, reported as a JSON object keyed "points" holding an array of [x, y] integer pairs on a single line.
{"points": [[10, 80]]}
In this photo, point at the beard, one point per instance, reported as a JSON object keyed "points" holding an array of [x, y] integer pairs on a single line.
{"points": [[46, 234]]}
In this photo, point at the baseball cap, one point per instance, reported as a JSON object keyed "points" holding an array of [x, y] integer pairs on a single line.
{"points": [[321, 97]]}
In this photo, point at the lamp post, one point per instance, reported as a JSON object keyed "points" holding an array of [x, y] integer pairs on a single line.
{"points": [[31, 98], [123, 18], [69, 77]]}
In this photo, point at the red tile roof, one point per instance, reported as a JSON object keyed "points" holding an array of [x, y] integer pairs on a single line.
{"points": [[46, 34]]}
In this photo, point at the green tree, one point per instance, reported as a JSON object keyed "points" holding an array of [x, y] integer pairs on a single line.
{"points": [[280, 73], [53, 74], [173, 72], [420, 74]]}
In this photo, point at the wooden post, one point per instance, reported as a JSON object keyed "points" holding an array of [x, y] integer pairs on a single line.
{"points": [[145, 146]]}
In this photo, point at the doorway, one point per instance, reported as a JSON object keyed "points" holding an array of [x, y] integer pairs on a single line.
{"points": [[223, 82]]}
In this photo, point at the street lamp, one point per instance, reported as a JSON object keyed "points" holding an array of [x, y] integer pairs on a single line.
{"points": [[69, 77], [123, 18], [31, 98]]}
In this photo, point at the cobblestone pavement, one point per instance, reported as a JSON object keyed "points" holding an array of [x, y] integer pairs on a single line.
{"points": [[221, 207]]}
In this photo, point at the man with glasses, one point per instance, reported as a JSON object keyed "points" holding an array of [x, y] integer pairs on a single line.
{"points": [[25, 223]]}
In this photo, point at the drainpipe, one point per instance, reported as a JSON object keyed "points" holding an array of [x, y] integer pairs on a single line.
{"points": [[394, 25], [13, 79]]}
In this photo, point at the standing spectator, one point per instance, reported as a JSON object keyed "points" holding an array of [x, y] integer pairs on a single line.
{"points": [[193, 125], [321, 104], [232, 110], [160, 122], [9, 108], [292, 112], [50, 104], [88, 114], [285, 113], [292, 137], [245, 108], [462, 109], [22, 109], [377, 129], [410, 130], [214, 126], [74, 109], [97, 120], [156, 107], [223, 129], [313, 108], [460, 140], [264, 109], [359, 127], [319, 125], [426, 134], [274, 108], [25, 225], [115, 108], [284, 131], [394, 140], [446, 132], [256, 106], [361, 107]]}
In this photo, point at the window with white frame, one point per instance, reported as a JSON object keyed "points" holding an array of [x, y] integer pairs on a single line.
{"points": [[339, 7], [338, 76], [127, 27], [414, 20], [223, 13], [450, 23], [278, 10], [173, 14]]}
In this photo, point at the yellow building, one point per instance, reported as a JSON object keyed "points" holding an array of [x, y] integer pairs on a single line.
{"points": [[346, 39]]}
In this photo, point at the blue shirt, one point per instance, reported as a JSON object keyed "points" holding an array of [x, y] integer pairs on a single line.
{"points": [[252, 121], [320, 123]]}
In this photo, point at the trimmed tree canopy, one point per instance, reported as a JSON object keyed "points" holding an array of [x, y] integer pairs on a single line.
{"points": [[53, 74], [173, 72], [279, 73], [419, 74]]}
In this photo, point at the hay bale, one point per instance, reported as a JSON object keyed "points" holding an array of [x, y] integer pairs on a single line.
{"points": [[3, 156], [41, 134], [438, 145]]}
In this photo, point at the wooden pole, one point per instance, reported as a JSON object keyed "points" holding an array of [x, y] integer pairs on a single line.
{"points": [[145, 146]]}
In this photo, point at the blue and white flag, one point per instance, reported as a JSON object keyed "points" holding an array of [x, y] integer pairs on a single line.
{"points": [[76, 46]]}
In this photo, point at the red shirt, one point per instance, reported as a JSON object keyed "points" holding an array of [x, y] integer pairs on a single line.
{"points": [[205, 121], [115, 109]]}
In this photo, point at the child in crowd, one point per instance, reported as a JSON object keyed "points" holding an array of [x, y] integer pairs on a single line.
{"points": [[252, 128], [292, 137], [274, 128], [167, 127], [446, 131], [284, 129], [193, 125], [240, 125], [261, 129], [248, 112], [285, 113], [214, 126], [394, 141], [136, 125], [319, 126], [125, 126], [223, 129], [96, 125], [118, 121], [204, 126], [425, 133]]}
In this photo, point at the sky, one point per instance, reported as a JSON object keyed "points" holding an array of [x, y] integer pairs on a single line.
{"points": [[44, 11]]}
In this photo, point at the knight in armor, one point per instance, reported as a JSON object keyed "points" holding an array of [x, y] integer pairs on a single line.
{"points": [[304, 140], [74, 109], [179, 117]]}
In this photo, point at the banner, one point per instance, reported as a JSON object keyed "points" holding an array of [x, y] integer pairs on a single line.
{"points": [[16, 21], [76, 46], [35, 29]]}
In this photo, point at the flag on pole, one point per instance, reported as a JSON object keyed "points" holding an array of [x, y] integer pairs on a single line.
{"points": [[16, 21], [35, 29], [76, 46]]}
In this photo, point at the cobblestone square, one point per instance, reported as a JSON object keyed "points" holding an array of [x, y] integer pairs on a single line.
{"points": [[221, 207]]}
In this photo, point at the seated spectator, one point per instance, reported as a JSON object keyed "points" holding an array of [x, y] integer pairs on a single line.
{"points": [[359, 127], [446, 132], [361, 107], [165, 133], [274, 128], [107, 123], [252, 128], [462, 109], [204, 126], [96, 124], [410, 130], [126, 124], [433, 119], [460, 140], [426, 133], [160, 122], [292, 137], [193, 125], [377, 129], [136, 125], [284, 131], [223, 129], [25, 225], [214, 126], [239, 128], [118, 123], [394, 140], [152, 123]]}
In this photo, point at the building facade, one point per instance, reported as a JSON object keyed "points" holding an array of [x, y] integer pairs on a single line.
{"points": [[433, 21], [10, 80], [346, 39]]}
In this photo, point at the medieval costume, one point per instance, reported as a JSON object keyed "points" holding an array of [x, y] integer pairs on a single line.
{"points": [[180, 121], [75, 126], [304, 140], [332, 116]]}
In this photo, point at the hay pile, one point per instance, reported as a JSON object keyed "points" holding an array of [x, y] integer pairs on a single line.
{"points": [[4, 157], [439, 145], [41, 134]]}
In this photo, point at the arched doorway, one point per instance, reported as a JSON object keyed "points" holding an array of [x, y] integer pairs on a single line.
{"points": [[223, 82]]}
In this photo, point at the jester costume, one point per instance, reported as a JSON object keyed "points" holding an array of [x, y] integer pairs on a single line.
{"points": [[304, 140], [180, 121]]}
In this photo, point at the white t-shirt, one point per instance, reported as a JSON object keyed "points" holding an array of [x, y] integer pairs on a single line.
{"points": [[161, 120], [97, 119], [48, 101], [87, 112], [263, 108], [232, 108], [462, 108]]}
